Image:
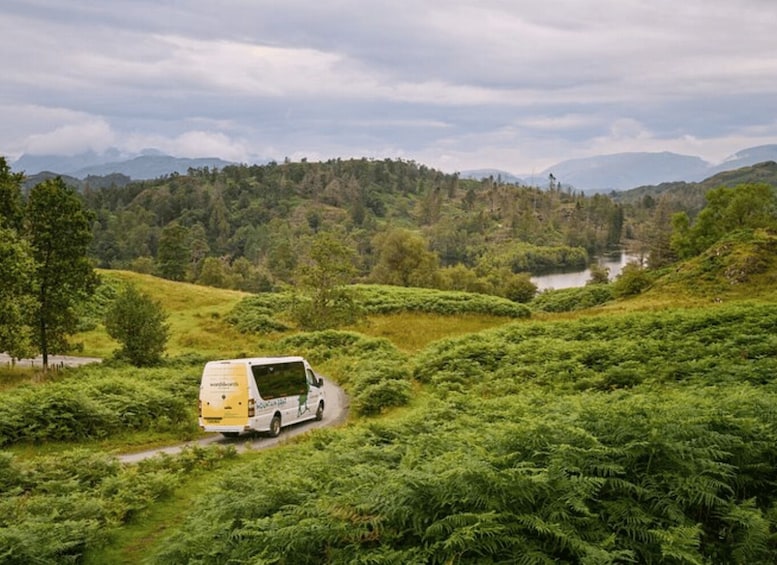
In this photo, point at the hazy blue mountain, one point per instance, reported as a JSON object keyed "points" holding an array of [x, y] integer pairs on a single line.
{"points": [[150, 164], [63, 164], [601, 173], [747, 157], [622, 171], [479, 174]]}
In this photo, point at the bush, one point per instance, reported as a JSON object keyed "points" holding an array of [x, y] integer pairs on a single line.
{"points": [[571, 299], [54, 509], [632, 280], [95, 405], [261, 312], [376, 397], [383, 299]]}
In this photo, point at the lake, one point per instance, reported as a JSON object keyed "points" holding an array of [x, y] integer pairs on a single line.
{"points": [[579, 278]]}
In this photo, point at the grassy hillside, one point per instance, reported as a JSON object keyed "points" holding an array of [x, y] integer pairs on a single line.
{"points": [[198, 316], [195, 317], [640, 430]]}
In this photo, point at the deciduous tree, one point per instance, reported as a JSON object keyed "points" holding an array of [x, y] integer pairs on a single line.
{"points": [[138, 322], [404, 260], [746, 206], [58, 228], [16, 268], [10, 197], [323, 275], [16, 301]]}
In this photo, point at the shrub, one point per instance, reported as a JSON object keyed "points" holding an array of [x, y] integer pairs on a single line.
{"points": [[260, 312], [95, 405], [632, 280], [571, 299]]}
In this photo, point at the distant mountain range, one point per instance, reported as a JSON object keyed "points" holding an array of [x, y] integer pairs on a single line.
{"points": [[602, 173], [150, 164], [623, 171]]}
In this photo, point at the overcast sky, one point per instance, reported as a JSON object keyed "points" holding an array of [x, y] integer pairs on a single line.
{"points": [[454, 84]]}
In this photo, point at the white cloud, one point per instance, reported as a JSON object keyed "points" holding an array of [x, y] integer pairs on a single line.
{"points": [[87, 134], [193, 143]]}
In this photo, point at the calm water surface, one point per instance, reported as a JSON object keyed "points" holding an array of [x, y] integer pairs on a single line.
{"points": [[579, 278]]}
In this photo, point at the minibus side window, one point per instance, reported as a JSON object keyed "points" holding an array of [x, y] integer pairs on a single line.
{"points": [[280, 379]]}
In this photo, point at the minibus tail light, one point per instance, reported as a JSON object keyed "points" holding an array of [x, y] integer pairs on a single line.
{"points": [[251, 408]]}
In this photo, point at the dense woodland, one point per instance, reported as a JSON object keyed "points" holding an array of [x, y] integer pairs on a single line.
{"points": [[244, 226], [247, 227]]}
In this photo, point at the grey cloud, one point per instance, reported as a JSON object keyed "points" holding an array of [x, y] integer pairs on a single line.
{"points": [[421, 77]]}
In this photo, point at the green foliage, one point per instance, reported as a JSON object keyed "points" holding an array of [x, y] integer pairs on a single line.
{"points": [[138, 322], [16, 302], [404, 260], [707, 346], [377, 375], [263, 215], [256, 314], [632, 280], [212, 273], [324, 274], [735, 259], [746, 206], [571, 299], [58, 228], [599, 275], [381, 299], [91, 312], [11, 213], [174, 252], [259, 313], [95, 402], [526, 449], [518, 288], [524, 257], [55, 508]]}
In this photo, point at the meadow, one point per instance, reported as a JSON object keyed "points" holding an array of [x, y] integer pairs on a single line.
{"points": [[640, 430]]}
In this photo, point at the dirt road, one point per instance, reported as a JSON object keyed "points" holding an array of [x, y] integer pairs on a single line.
{"points": [[54, 361], [335, 412]]}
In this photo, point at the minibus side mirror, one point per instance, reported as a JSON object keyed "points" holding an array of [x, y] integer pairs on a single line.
{"points": [[320, 382]]}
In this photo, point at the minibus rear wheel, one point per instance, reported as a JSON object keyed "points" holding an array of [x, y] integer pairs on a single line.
{"points": [[275, 426]]}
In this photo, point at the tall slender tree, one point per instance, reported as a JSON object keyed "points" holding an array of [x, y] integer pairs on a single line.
{"points": [[16, 301], [10, 197], [174, 252], [15, 267], [58, 228]]}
